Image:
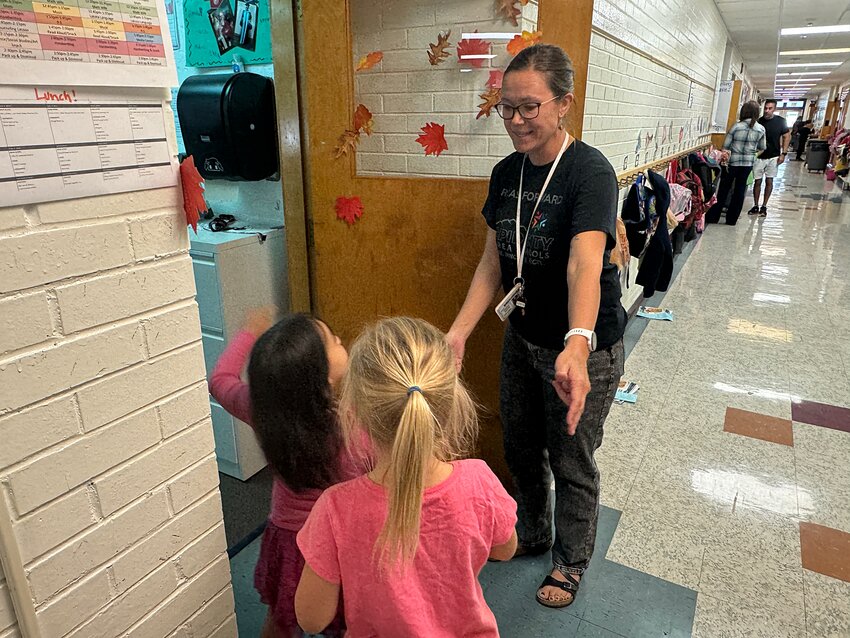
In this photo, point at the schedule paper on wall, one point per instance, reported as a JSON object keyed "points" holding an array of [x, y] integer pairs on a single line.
{"points": [[92, 42], [78, 143]]}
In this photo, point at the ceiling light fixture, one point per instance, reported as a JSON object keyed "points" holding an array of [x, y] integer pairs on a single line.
{"points": [[805, 73], [804, 64], [815, 51], [835, 28]]}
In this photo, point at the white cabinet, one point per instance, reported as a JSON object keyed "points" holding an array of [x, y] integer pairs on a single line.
{"points": [[234, 273]]}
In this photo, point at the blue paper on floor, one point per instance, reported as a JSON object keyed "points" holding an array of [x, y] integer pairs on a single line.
{"points": [[627, 392], [648, 312]]}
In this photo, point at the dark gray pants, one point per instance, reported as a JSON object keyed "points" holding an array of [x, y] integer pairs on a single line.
{"points": [[537, 446]]}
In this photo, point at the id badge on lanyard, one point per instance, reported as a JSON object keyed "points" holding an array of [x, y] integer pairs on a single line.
{"points": [[516, 295]]}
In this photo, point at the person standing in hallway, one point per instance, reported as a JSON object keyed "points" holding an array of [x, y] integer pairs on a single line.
{"points": [[743, 141], [562, 356], [777, 137], [803, 134]]}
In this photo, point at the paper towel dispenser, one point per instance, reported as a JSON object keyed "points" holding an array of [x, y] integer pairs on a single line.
{"points": [[229, 125]]}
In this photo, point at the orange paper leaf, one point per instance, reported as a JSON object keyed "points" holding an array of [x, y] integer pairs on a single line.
{"points": [[193, 192], [349, 209], [472, 47], [491, 98], [495, 80], [369, 60], [433, 138], [363, 119], [348, 141], [508, 11], [523, 41], [437, 53]]}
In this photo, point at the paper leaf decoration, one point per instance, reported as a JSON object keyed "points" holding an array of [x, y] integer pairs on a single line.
{"points": [[474, 46], [347, 142], [193, 192], [508, 11], [363, 120], [433, 138], [349, 209], [495, 79], [523, 41], [491, 98], [369, 60], [437, 53]]}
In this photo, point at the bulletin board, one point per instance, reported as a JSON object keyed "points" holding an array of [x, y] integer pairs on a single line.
{"points": [[216, 30]]}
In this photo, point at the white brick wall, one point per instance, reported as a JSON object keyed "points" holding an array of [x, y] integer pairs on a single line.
{"points": [[405, 92], [107, 463], [630, 95], [8, 623]]}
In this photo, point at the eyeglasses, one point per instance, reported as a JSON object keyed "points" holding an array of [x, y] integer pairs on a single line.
{"points": [[527, 111]]}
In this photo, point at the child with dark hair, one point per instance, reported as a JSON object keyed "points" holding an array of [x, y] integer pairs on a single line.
{"points": [[290, 402]]}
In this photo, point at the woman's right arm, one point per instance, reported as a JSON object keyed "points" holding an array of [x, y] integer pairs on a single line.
{"points": [[485, 283]]}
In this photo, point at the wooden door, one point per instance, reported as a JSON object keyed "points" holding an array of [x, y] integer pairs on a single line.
{"points": [[414, 250]]}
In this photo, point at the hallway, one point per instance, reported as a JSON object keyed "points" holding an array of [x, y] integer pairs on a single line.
{"points": [[714, 498]]}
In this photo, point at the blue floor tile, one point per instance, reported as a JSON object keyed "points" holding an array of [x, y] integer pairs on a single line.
{"points": [[614, 600], [250, 612]]}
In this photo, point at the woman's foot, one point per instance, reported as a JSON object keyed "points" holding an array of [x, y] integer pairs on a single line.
{"points": [[754, 210], [559, 589], [763, 211]]}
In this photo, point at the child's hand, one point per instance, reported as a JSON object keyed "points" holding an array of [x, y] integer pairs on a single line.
{"points": [[259, 320]]}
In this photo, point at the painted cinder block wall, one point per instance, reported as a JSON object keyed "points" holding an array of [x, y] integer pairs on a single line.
{"points": [[107, 465]]}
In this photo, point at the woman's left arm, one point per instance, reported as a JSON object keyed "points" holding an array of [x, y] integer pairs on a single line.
{"points": [[583, 274]]}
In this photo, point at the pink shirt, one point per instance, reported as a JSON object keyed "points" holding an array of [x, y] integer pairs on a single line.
{"points": [[463, 518], [289, 509]]}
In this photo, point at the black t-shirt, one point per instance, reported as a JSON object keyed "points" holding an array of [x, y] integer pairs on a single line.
{"points": [[774, 129], [582, 196]]}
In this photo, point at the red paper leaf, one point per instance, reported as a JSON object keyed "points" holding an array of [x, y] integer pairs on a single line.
{"points": [[508, 11], [523, 41], [193, 194], [363, 119], [369, 60], [495, 80], [349, 209], [474, 46], [433, 138], [491, 99]]}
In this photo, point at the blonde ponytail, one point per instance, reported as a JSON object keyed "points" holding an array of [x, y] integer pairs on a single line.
{"points": [[402, 388], [411, 455]]}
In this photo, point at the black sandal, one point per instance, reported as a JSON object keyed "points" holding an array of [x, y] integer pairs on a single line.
{"points": [[570, 586]]}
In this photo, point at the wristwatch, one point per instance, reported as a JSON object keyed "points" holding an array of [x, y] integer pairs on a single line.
{"points": [[590, 335]]}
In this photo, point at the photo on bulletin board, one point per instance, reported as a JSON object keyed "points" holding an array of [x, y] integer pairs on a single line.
{"points": [[246, 23], [217, 30], [221, 21]]}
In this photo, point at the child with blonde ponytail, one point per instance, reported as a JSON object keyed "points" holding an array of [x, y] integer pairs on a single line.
{"points": [[407, 541]]}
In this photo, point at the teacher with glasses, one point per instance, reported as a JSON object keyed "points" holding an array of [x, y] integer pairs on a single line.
{"points": [[551, 212]]}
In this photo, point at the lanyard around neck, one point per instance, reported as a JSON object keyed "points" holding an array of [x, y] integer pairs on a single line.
{"points": [[520, 253]]}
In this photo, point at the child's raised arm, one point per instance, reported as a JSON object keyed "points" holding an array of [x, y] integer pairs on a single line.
{"points": [[225, 383]]}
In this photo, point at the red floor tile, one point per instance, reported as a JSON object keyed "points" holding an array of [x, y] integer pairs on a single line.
{"points": [[759, 426], [825, 550]]}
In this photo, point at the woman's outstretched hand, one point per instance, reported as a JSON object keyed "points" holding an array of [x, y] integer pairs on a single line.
{"points": [[572, 382], [458, 346]]}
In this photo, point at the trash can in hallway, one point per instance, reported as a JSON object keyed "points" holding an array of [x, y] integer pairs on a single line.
{"points": [[817, 155]]}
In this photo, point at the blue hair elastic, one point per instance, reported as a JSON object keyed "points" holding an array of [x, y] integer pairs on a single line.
{"points": [[414, 388]]}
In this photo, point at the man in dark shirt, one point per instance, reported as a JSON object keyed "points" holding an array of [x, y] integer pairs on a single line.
{"points": [[777, 137]]}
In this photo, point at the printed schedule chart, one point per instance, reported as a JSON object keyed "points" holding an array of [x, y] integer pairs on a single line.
{"points": [[62, 151], [117, 32]]}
